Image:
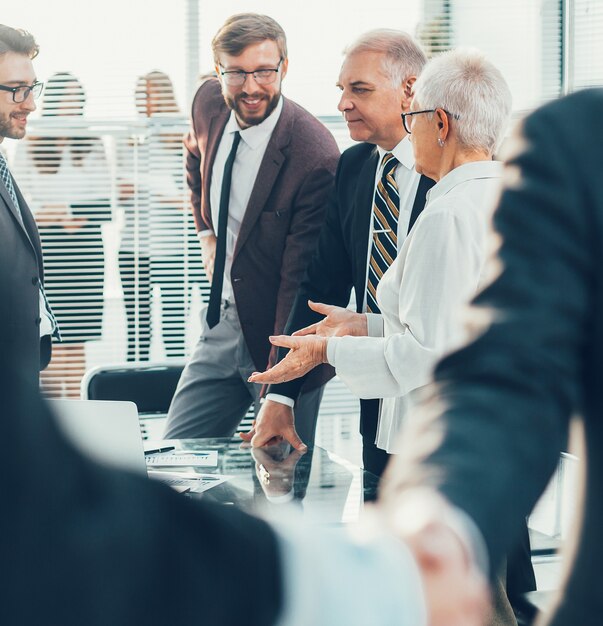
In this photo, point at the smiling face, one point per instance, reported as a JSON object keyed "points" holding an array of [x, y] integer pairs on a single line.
{"points": [[15, 70], [370, 103], [252, 102]]}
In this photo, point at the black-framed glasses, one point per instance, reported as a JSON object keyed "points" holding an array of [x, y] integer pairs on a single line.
{"points": [[236, 78], [21, 93], [407, 117]]}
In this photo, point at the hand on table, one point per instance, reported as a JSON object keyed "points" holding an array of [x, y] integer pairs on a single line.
{"points": [[275, 423], [305, 353], [338, 322]]}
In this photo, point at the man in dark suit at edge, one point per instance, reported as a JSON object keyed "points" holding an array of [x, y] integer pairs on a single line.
{"points": [[259, 169], [27, 322]]}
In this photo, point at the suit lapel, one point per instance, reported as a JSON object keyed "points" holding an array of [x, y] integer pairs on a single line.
{"points": [[214, 135], [27, 226], [271, 165]]}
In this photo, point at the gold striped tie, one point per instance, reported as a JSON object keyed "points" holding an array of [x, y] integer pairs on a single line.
{"points": [[386, 209]]}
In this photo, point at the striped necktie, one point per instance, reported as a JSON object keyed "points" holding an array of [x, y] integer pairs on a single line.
{"points": [[8, 183], [386, 209]]}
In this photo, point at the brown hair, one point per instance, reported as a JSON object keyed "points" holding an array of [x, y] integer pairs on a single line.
{"points": [[17, 40], [242, 30]]}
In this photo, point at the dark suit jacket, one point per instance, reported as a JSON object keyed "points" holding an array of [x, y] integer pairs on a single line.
{"points": [[338, 264], [491, 437], [21, 255], [103, 548], [283, 217]]}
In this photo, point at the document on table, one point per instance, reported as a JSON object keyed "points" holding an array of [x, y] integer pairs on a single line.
{"points": [[184, 458], [193, 482]]}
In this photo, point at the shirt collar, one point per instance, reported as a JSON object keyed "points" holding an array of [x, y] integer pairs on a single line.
{"points": [[463, 173], [257, 135], [403, 152]]}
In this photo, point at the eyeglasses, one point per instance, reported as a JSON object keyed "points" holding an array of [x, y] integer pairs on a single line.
{"points": [[21, 93], [407, 117], [236, 78]]}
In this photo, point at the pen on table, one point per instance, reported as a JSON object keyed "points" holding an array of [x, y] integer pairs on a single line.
{"points": [[168, 449]]}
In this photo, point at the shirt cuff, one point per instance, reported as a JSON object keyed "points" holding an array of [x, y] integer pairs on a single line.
{"points": [[277, 397], [360, 580], [332, 343], [374, 324], [204, 233]]}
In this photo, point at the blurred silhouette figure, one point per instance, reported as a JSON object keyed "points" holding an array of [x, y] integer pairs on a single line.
{"points": [[65, 179], [158, 230]]}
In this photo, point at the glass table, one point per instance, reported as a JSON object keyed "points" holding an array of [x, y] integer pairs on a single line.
{"points": [[278, 479]]}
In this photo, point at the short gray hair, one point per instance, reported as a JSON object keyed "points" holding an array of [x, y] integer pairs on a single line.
{"points": [[463, 82], [403, 56]]}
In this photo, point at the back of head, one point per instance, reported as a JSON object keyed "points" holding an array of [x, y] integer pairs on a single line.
{"points": [[402, 55], [465, 84], [245, 29], [63, 95], [18, 41], [155, 95]]}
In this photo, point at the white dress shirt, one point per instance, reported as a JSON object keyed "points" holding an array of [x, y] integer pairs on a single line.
{"points": [[437, 270], [407, 180], [251, 150]]}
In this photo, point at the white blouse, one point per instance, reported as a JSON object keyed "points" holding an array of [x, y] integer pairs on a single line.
{"points": [[438, 269]]}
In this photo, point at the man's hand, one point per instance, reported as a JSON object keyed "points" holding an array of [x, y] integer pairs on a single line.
{"points": [[208, 253], [275, 422], [305, 353], [337, 323]]}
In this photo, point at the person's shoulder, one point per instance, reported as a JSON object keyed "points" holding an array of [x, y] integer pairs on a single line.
{"points": [[307, 128], [359, 153], [208, 97], [579, 102]]}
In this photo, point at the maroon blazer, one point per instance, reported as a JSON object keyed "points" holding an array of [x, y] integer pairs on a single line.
{"points": [[283, 218]]}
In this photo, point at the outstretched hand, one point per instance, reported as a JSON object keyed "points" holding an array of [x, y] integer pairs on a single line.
{"points": [[305, 353], [338, 322]]}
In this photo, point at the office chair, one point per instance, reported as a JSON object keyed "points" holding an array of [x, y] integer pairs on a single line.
{"points": [[150, 386]]}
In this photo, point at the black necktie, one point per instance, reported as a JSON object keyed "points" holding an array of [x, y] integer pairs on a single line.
{"points": [[215, 294], [425, 184]]}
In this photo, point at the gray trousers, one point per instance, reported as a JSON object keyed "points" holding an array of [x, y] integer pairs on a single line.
{"points": [[213, 394]]}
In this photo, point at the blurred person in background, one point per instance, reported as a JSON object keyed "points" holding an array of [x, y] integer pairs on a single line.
{"points": [[65, 179], [158, 244]]}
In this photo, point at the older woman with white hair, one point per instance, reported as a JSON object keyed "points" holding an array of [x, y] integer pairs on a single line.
{"points": [[459, 113]]}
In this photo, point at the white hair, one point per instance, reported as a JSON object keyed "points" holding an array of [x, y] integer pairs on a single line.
{"points": [[402, 55], [464, 83]]}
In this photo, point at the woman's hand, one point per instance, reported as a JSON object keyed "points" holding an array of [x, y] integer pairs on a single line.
{"points": [[305, 353], [338, 322]]}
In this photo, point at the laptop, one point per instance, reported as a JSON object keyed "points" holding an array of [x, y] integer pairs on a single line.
{"points": [[107, 431]]}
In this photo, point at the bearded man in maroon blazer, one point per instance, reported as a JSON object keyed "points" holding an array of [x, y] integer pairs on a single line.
{"points": [[260, 169]]}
